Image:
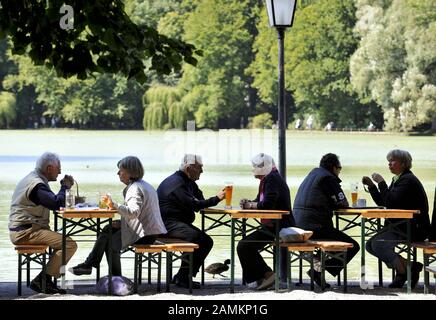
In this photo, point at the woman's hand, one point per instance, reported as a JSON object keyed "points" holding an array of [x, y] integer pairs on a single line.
{"points": [[367, 181], [377, 177]]}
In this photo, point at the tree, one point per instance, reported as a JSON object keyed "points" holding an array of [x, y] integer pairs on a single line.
{"points": [[395, 62], [104, 39], [7, 109]]}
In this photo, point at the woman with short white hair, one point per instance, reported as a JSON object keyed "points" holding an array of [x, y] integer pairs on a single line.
{"points": [[404, 192]]}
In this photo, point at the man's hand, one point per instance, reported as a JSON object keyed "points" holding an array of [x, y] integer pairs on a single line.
{"points": [[67, 181], [242, 202], [222, 194], [367, 181], [377, 177]]}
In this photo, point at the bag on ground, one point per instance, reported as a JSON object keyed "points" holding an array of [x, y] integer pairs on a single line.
{"points": [[121, 286], [294, 234]]}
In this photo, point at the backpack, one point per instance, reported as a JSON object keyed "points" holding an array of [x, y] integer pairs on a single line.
{"points": [[121, 286]]}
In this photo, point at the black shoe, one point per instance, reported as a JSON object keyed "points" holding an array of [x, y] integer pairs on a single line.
{"points": [[183, 282], [317, 278], [50, 288], [398, 282], [81, 269], [53, 287], [416, 269]]}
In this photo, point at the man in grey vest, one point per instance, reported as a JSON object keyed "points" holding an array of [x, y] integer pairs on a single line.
{"points": [[316, 199], [29, 216]]}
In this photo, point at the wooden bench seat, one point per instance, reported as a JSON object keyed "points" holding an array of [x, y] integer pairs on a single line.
{"points": [[333, 245], [31, 253], [429, 257]]}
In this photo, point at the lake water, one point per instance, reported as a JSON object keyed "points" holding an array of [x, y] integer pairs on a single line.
{"points": [[91, 157]]}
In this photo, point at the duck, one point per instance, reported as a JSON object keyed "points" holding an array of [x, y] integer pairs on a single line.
{"points": [[218, 268]]}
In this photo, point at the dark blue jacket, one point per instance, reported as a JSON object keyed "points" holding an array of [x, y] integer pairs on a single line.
{"points": [[180, 198], [317, 197], [276, 197]]}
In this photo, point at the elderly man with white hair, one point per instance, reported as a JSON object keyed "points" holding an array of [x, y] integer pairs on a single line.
{"points": [[273, 194], [29, 216], [179, 199]]}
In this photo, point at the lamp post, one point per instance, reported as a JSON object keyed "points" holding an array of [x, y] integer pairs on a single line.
{"points": [[281, 16]]}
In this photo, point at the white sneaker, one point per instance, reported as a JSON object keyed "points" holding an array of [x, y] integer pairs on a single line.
{"points": [[267, 283]]}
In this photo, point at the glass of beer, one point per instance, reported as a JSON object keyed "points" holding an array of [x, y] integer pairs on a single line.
{"points": [[229, 193], [354, 189]]}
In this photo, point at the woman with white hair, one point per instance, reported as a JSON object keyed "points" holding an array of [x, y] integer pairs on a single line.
{"points": [[273, 194], [404, 192], [140, 223]]}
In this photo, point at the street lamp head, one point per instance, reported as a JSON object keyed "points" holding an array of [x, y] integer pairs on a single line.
{"points": [[281, 12]]}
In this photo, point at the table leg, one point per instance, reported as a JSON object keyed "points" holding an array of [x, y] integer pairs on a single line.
{"points": [[426, 274], [98, 234], [202, 265], [409, 275], [64, 253], [109, 287], [362, 253], [232, 257], [380, 263], [277, 260]]}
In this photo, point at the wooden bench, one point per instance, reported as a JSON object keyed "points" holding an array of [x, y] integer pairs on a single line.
{"points": [[174, 246], [337, 250], [151, 253], [429, 255], [299, 249], [31, 252]]}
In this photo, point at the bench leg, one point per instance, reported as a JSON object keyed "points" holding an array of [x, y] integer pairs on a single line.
{"points": [[159, 270], [135, 273], [288, 267], [149, 268], [20, 264], [168, 275], [345, 271], [44, 273], [323, 258], [426, 274], [191, 262], [28, 270], [312, 273]]}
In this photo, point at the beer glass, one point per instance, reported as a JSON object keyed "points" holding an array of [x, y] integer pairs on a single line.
{"points": [[69, 199], [354, 189], [229, 193]]}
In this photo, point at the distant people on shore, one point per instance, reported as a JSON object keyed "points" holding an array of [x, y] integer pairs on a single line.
{"points": [[329, 126], [298, 124], [371, 127], [309, 123]]}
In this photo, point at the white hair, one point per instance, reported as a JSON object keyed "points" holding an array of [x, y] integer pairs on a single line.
{"points": [[189, 159], [262, 164], [47, 159]]}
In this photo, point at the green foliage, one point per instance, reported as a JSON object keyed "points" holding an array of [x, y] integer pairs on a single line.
{"points": [[395, 63], [262, 121], [104, 39], [7, 109]]}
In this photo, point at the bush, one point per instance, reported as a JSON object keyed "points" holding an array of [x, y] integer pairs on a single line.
{"points": [[262, 121]]}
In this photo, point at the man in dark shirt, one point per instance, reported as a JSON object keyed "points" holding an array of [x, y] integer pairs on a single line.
{"points": [[179, 199], [316, 199], [29, 216]]}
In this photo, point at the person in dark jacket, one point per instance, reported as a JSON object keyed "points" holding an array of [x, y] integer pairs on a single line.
{"points": [[405, 192], [273, 194], [432, 233], [317, 197], [179, 199]]}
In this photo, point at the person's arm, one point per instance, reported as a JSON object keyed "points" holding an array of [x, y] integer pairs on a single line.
{"points": [[42, 195], [133, 203], [334, 192], [195, 201]]}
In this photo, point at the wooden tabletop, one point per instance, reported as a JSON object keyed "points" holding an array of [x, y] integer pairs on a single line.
{"points": [[379, 213], [236, 212], [88, 213]]}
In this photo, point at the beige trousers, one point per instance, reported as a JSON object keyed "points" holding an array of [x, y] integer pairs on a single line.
{"points": [[40, 235]]}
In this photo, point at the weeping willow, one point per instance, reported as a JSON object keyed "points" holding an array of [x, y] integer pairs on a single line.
{"points": [[163, 109], [7, 109]]}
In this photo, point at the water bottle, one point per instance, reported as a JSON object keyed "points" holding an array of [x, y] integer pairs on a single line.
{"points": [[69, 199]]}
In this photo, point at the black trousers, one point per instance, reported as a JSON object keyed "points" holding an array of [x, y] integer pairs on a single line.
{"points": [[101, 246], [334, 266], [252, 263], [190, 233]]}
